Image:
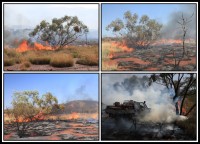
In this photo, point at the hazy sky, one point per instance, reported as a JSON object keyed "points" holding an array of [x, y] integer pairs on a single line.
{"points": [[65, 87], [32, 14], [160, 12]]}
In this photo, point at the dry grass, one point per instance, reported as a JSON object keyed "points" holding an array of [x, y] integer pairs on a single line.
{"points": [[61, 60], [40, 60], [106, 66], [9, 61], [87, 55], [73, 116], [25, 65], [90, 60]]}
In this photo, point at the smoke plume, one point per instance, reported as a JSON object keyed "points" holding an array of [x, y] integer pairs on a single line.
{"points": [[135, 87], [172, 29]]}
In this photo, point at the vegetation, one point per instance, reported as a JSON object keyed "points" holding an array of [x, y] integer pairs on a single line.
{"points": [[87, 55], [137, 33], [90, 60], [60, 32], [184, 85], [26, 105], [62, 60]]}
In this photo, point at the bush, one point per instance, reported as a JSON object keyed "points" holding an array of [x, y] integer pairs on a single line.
{"points": [[9, 61], [91, 60], [25, 65], [62, 60], [39, 60]]}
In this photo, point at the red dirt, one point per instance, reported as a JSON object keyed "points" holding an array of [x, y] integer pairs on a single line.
{"points": [[152, 69], [183, 62], [6, 137], [187, 62], [135, 60]]}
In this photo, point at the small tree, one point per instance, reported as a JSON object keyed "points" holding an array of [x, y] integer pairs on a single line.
{"points": [[137, 34], [60, 32], [183, 21], [27, 104]]}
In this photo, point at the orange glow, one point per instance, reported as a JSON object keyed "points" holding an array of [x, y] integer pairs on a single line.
{"points": [[23, 46], [171, 41], [116, 45], [39, 116], [183, 109], [74, 115], [37, 46]]}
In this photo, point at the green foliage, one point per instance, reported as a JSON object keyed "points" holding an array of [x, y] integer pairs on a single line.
{"points": [[60, 32], [27, 104], [137, 33]]}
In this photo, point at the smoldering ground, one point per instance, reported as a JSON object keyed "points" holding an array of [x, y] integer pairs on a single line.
{"points": [[154, 125]]}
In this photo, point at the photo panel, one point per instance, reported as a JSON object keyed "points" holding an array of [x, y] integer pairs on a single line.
{"points": [[51, 107], [51, 36], [149, 107], [149, 36]]}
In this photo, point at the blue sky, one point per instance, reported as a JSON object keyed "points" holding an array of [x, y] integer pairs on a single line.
{"points": [[160, 12], [32, 14], [65, 87]]}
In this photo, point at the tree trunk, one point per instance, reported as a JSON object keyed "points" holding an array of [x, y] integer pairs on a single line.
{"points": [[190, 109]]}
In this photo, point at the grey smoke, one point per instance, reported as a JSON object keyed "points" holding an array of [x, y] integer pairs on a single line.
{"points": [[157, 97], [172, 28], [81, 94]]}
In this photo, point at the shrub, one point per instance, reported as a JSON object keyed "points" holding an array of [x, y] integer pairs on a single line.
{"points": [[91, 60], [9, 62], [62, 60], [40, 60]]}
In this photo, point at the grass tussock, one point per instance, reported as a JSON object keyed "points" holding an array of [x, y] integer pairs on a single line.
{"points": [[25, 65], [62, 60], [9, 62], [40, 60], [90, 60]]}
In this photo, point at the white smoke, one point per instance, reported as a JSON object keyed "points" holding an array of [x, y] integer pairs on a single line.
{"points": [[157, 97]]}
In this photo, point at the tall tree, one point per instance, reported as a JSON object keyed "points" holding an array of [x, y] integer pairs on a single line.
{"points": [[60, 32], [136, 33]]}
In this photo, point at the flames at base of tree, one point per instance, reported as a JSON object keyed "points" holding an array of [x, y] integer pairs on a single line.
{"points": [[39, 116], [36, 46]]}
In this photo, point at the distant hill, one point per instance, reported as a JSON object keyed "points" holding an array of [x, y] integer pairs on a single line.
{"points": [[80, 106]]}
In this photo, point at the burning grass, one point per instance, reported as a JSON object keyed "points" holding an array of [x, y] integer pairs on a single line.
{"points": [[62, 60], [38, 54], [117, 56]]}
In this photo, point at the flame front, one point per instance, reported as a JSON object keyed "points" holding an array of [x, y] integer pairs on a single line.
{"points": [[74, 115], [23, 47], [37, 46]]}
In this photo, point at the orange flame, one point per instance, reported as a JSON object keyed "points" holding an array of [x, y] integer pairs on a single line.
{"points": [[39, 116], [37, 46], [183, 109], [74, 115], [168, 41], [116, 45], [23, 46]]}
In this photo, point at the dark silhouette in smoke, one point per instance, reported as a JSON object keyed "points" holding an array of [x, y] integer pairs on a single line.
{"points": [[172, 29]]}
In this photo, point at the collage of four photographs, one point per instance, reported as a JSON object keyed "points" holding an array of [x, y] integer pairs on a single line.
{"points": [[99, 72]]}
